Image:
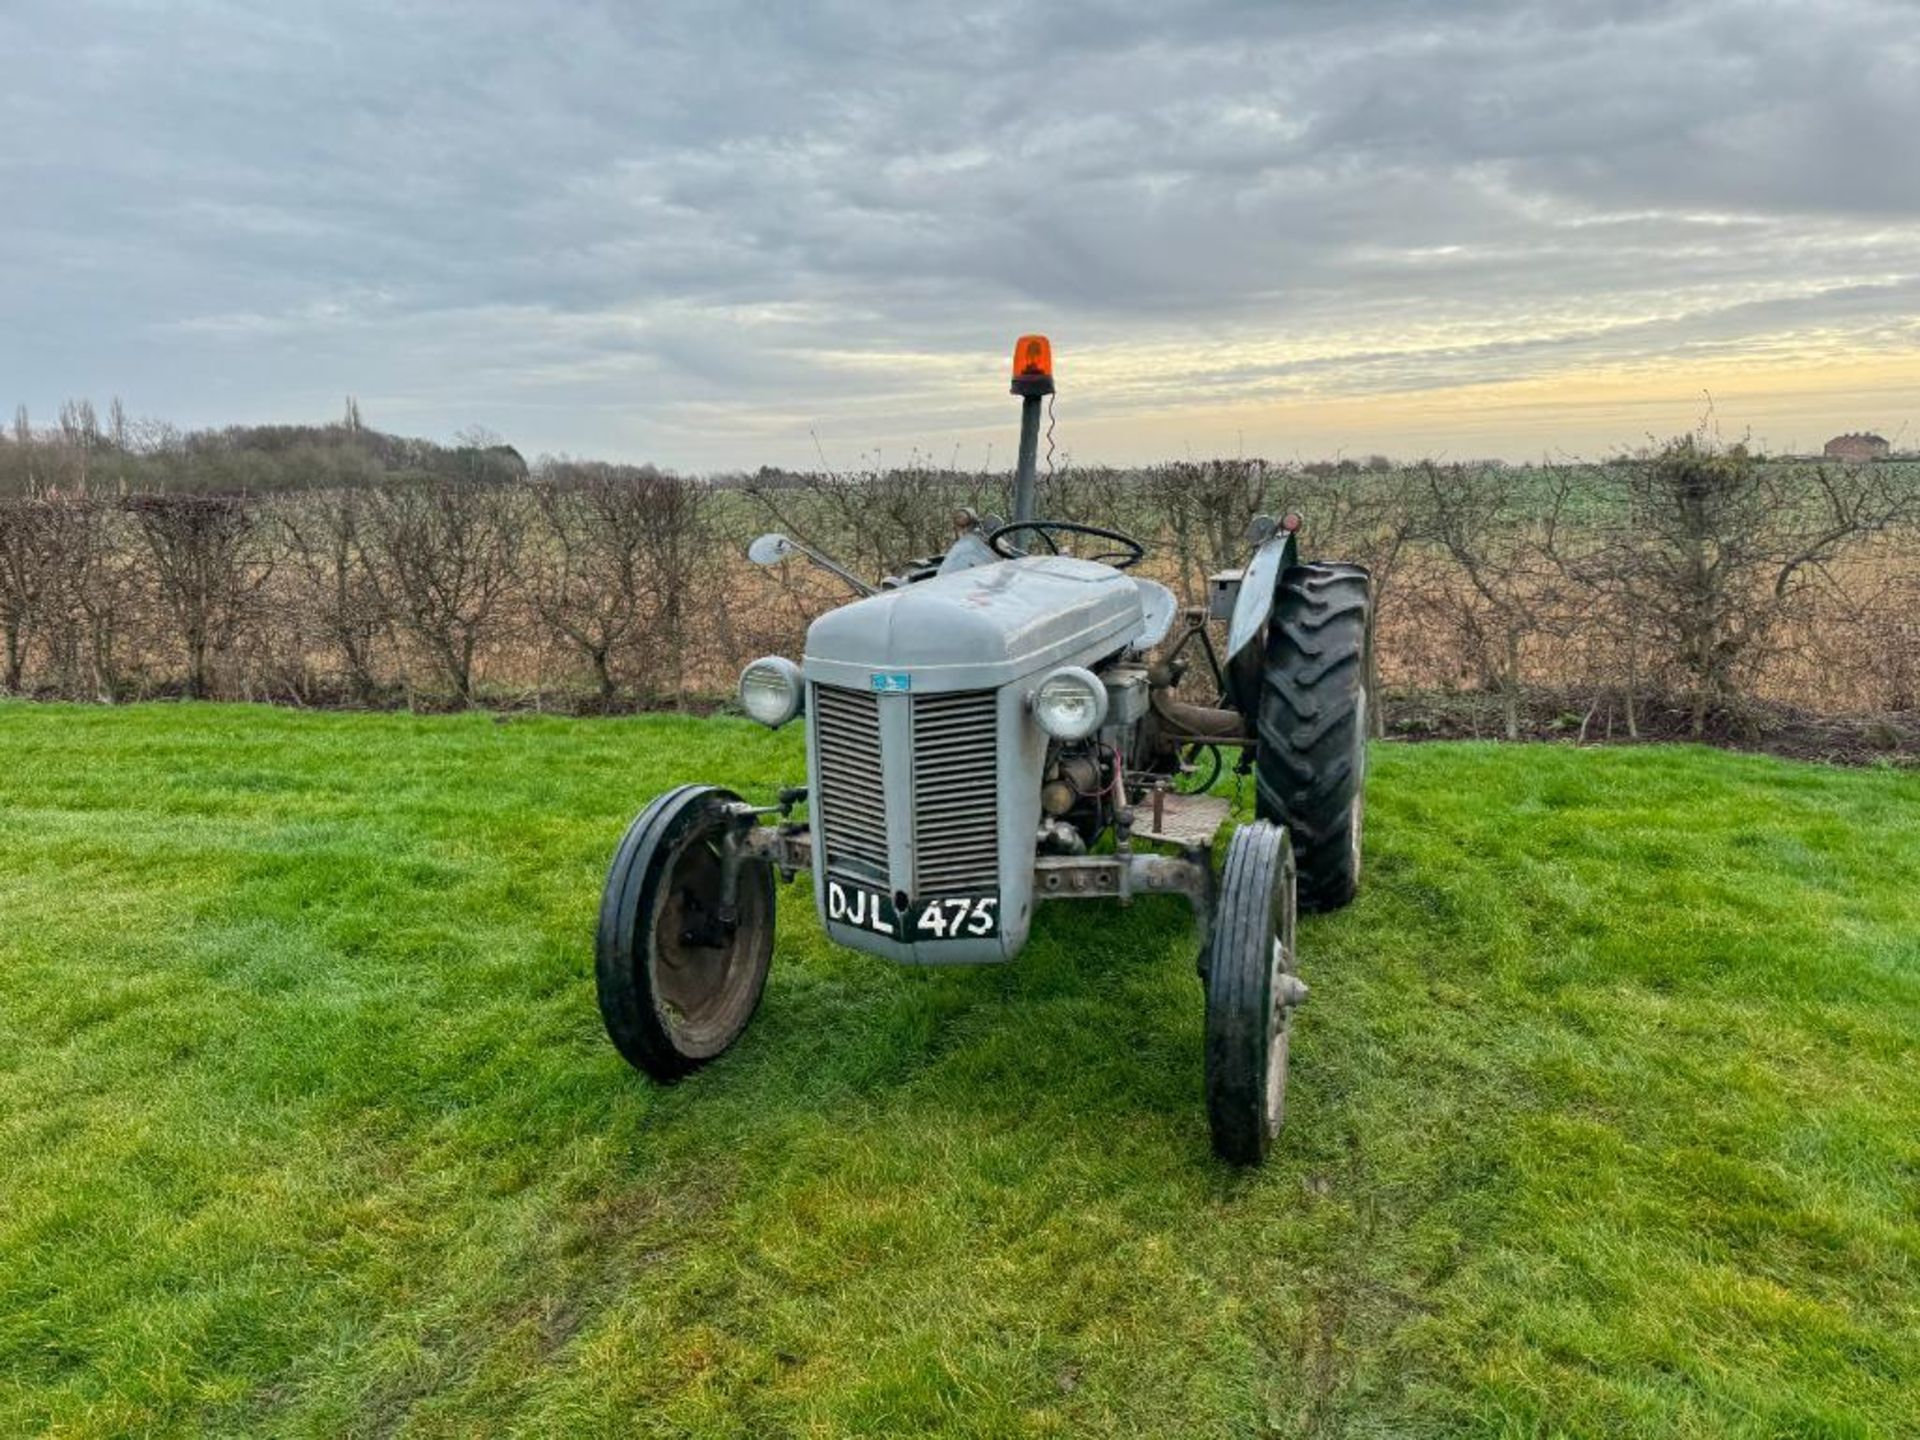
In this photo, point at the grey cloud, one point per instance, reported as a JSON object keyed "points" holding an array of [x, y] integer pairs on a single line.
{"points": [[661, 231]]}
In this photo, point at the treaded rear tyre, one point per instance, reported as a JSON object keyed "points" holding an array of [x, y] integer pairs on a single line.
{"points": [[1311, 762], [1251, 992]]}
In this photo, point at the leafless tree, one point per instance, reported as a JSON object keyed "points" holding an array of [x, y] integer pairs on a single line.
{"points": [[1204, 510], [1370, 519], [684, 566], [332, 583], [19, 477], [1500, 539], [209, 564], [89, 591], [1722, 550], [616, 565], [1090, 494], [23, 574], [442, 554], [80, 438]]}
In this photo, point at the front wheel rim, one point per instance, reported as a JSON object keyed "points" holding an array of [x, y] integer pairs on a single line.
{"points": [[703, 992], [1280, 1022], [1280, 996]]}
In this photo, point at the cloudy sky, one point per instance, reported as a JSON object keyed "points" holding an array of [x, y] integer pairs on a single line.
{"points": [[705, 234]]}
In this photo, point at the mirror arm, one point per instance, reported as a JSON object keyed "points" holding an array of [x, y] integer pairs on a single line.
{"points": [[860, 586]]}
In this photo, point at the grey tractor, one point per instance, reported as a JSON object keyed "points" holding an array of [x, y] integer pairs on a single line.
{"points": [[1006, 724]]}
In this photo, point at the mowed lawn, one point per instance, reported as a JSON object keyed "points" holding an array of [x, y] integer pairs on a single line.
{"points": [[1605, 1114]]}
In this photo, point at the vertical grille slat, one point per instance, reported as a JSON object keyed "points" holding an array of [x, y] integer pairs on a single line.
{"points": [[851, 802], [956, 833]]}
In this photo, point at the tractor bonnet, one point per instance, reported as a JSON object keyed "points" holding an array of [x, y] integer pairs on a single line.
{"points": [[978, 629]]}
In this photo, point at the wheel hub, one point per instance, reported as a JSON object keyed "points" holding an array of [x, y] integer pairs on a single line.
{"points": [[699, 967]]}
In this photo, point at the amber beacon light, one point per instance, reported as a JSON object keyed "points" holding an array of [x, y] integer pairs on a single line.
{"points": [[1032, 365]]}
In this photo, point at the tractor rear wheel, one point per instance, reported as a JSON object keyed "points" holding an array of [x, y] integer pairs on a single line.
{"points": [[678, 976], [1311, 760], [1251, 992]]}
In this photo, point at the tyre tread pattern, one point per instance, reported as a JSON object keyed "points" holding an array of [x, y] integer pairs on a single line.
{"points": [[1239, 980], [1310, 722]]}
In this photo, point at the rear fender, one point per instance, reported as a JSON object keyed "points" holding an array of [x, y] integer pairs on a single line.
{"points": [[1252, 608]]}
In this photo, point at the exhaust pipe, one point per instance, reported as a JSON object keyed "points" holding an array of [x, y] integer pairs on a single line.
{"points": [[1180, 720]]}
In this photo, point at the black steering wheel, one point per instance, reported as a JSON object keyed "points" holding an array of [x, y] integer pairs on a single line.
{"points": [[1045, 530]]}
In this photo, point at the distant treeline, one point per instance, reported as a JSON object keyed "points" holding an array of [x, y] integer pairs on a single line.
{"points": [[335, 564], [87, 450]]}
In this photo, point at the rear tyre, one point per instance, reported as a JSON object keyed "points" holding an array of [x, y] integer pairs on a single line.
{"points": [[678, 979], [1311, 761], [1251, 992]]}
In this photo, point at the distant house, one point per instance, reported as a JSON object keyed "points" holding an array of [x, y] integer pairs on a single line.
{"points": [[1857, 447]]}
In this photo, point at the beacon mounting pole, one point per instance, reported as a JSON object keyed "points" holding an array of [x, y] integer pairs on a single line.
{"points": [[1032, 382]]}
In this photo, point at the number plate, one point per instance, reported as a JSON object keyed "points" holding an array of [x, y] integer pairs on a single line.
{"points": [[950, 917]]}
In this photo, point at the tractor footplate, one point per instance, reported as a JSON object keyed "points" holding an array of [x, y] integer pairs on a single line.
{"points": [[1183, 820]]}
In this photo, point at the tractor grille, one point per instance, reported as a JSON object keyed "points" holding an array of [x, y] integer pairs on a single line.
{"points": [[956, 838], [852, 803]]}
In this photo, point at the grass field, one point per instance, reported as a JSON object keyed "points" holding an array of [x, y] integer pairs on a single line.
{"points": [[1605, 1115]]}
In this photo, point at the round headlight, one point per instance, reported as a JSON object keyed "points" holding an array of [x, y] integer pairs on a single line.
{"points": [[770, 691], [1070, 703]]}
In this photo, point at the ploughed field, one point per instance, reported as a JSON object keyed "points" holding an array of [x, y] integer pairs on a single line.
{"points": [[1604, 1119]]}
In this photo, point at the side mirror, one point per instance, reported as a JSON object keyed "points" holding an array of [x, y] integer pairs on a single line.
{"points": [[771, 549]]}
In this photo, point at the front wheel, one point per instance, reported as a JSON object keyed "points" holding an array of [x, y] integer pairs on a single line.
{"points": [[680, 974], [1251, 992]]}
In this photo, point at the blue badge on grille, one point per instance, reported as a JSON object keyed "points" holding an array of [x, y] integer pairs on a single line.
{"points": [[892, 682]]}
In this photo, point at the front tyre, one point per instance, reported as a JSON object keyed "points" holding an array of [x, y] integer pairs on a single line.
{"points": [[1251, 992], [679, 977], [1311, 760]]}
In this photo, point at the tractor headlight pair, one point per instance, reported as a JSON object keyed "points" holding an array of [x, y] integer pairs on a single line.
{"points": [[1070, 703], [770, 691]]}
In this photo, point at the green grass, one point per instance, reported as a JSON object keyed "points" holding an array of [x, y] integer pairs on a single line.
{"points": [[1605, 1116]]}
